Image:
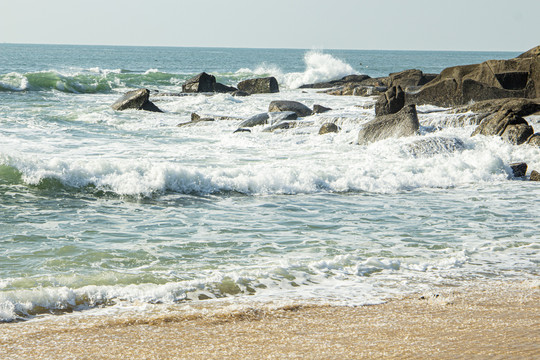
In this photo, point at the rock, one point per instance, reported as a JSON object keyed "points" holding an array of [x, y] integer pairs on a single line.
{"points": [[259, 119], [409, 78], [517, 134], [135, 99], [239, 93], [390, 102], [241, 130], [519, 169], [281, 125], [259, 86], [279, 116], [492, 79], [285, 105], [519, 106], [512, 127], [430, 146], [319, 109], [220, 88], [403, 123], [195, 118], [535, 176], [328, 128], [534, 140], [356, 79], [199, 83], [532, 53]]}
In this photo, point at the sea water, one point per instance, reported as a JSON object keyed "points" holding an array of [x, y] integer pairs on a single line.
{"points": [[107, 209]]}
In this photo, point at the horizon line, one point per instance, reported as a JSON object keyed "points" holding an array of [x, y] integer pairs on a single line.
{"points": [[255, 48]]}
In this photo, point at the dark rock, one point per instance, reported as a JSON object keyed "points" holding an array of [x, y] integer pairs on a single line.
{"points": [[403, 123], [334, 83], [319, 109], [512, 127], [519, 169], [281, 125], [390, 102], [135, 99], [279, 116], [220, 88], [535, 176], [259, 119], [286, 105], [239, 93], [200, 83], [241, 130], [328, 128], [493, 79], [259, 86], [534, 140]]}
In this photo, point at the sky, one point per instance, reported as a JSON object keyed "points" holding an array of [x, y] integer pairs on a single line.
{"points": [[470, 25]]}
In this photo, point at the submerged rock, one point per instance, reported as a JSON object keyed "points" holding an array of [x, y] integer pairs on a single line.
{"points": [[519, 106], [403, 123], [135, 99], [285, 105], [259, 119], [281, 125], [328, 128], [259, 86], [430, 146], [319, 109], [390, 102], [519, 169]]}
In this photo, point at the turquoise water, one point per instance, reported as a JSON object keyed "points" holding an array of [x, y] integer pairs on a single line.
{"points": [[105, 208]]}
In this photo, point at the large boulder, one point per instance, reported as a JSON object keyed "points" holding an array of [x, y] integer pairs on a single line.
{"points": [[507, 124], [204, 82], [409, 78], [199, 83], [285, 105], [259, 86], [492, 79], [390, 102], [403, 123], [135, 99]]}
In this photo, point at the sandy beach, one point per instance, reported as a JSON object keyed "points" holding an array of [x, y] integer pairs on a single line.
{"points": [[488, 320]]}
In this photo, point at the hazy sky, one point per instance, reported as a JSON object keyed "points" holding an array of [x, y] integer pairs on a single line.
{"points": [[327, 24]]}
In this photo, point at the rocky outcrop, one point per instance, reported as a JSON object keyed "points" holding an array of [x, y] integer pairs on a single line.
{"points": [[285, 105], [259, 86], [403, 123], [390, 102], [507, 124], [493, 79], [319, 109], [135, 99], [328, 128], [204, 83]]}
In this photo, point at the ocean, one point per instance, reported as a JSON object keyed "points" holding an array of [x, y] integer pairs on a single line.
{"points": [[103, 210]]}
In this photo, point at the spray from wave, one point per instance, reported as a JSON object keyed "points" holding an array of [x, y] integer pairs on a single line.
{"points": [[320, 67]]}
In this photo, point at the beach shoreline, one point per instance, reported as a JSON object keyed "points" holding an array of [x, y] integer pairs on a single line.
{"points": [[498, 319]]}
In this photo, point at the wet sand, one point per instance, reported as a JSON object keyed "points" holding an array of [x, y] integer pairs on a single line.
{"points": [[488, 320]]}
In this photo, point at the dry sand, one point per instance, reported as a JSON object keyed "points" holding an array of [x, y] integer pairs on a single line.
{"points": [[495, 320]]}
